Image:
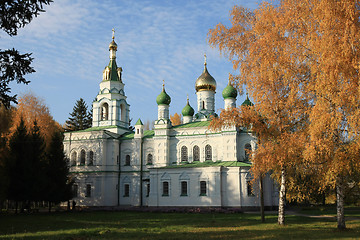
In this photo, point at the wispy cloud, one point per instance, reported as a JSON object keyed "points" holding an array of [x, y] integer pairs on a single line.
{"points": [[156, 40]]}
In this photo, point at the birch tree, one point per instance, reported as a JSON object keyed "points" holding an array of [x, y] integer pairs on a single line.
{"points": [[299, 61]]}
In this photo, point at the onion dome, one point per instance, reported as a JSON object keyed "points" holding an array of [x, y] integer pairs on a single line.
{"points": [[163, 98], [205, 81], [247, 102], [229, 91], [113, 45], [187, 110]]}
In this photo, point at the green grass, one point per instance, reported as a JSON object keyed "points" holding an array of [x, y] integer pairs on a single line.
{"points": [[135, 225]]}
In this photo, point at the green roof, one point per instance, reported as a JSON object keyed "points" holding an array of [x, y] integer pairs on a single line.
{"points": [[210, 164], [130, 135], [139, 122], [229, 92], [97, 128], [193, 124]]}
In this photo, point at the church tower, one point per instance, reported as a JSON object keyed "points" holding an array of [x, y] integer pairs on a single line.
{"points": [[205, 87], [110, 108]]}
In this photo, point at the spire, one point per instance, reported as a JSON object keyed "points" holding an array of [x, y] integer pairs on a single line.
{"points": [[205, 60]]}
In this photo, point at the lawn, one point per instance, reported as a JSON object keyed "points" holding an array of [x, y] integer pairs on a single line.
{"points": [[147, 225]]}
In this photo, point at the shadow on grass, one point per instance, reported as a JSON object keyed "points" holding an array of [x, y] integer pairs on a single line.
{"points": [[135, 225]]}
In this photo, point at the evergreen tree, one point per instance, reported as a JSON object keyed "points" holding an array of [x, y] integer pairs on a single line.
{"points": [[37, 161], [58, 186], [80, 118], [19, 165], [13, 65]]}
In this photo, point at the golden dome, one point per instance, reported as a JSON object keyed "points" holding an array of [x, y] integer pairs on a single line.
{"points": [[113, 45], [205, 81]]}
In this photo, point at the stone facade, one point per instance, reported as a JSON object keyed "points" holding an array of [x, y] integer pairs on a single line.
{"points": [[184, 165]]}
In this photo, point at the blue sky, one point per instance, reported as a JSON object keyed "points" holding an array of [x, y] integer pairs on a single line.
{"points": [[156, 40]]}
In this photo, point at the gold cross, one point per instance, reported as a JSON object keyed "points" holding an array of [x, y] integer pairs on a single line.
{"points": [[113, 34]]}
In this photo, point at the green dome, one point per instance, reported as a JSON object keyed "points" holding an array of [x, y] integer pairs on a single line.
{"points": [[163, 98], [247, 102], [229, 92], [187, 110]]}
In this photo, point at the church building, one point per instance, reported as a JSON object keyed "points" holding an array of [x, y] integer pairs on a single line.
{"points": [[183, 165]]}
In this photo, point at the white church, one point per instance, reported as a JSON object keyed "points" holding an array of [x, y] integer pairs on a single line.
{"points": [[186, 165]]}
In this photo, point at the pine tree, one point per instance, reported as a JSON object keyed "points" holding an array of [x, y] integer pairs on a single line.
{"points": [[80, 118], [37, 161], [19, 165], [58, 186]]}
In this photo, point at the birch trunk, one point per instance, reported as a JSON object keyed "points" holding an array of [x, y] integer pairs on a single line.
{"points": [[262, 199], [281, 214], [340, 204]]}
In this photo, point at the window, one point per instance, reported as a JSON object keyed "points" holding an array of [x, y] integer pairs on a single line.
{"points": [[104, 112], [202, 188], [184, 190], [196, 153], [165, 189], [127, 160], [208, 153], [88, 190], [149, 160], [249, 188], [147, 189], [203, 104], [248, 150], [184, 154], [82, 157], [91, 158], [75, 190], [73, 159], [126, 190]]}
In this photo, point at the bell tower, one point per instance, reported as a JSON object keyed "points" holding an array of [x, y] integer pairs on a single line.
{"points": [[110, 108]]}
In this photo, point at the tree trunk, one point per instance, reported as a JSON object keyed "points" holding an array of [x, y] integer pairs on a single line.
{"points": [[49, 207], [340, 204], [262, 200], [281, 214]]}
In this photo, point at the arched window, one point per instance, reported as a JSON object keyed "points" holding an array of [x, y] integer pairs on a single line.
{"points": [[208, 153], [149, 159], [184, 154], [122, 112], [127, 160], [203, 104], [91, 158], [196, 153], [82, 157], [105, 112], [247, 150], [73, 159]]}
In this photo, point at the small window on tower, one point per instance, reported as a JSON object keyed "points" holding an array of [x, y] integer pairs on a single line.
{"points": [[104, 112], [127, 160]]}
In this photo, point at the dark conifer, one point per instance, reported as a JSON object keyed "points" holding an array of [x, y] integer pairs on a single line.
{"points": [[58, 184], [19, 164], [80, 118]]}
